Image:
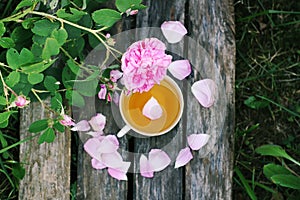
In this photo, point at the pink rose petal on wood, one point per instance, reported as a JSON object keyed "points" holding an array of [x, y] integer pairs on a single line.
{"points": [[183, 157], [173, 31], [112, 160], [119, 173], [152, 109], [83, 125], [180, 69], [158, 159], [91, 146], [204, 91], [108, 145], [145, 167], [197, 141], [96, 164], [98, 122]]}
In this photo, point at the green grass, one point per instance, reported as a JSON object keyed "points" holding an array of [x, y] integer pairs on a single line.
{"points": [[267, 93]]}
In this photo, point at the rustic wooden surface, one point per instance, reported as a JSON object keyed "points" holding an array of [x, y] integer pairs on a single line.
{"points": [[209, 175], [47, 166]]}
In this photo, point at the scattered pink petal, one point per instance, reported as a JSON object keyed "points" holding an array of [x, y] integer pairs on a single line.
{"points": [[95, 134], [108, 146], [173, 31], [158, 159], [183, 157], [204, 91], [116, 98], [21, 101], [112, 160], [152, 109], [145, 167], [67, 121], [96, 164], [119, 173], [102, 92], [197, 141], [91, 146], [83, 125], [180, 69], [115, 75], [98, 122]]}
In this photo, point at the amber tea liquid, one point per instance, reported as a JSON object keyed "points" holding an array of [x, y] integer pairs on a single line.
{"points": [[167, 97]]}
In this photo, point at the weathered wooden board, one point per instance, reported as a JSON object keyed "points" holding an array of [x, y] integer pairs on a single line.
{"points": [[211, 52], [211, 25], [47, 166]]}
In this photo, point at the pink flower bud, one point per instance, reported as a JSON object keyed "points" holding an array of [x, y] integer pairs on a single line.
{"points": [[67, 121], [133, 12], [21, 101], [115, 75], [102, 92]]}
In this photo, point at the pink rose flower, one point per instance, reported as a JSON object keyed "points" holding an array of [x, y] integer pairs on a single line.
{"points": [[144, 64]]}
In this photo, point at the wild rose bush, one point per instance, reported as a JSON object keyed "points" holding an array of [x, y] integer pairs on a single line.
{"points": [[48, 65]]}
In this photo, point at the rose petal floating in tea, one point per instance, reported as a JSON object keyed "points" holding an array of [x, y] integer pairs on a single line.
{"points": [[152, 109], [180, 69], [197, 141], [173, 31], [204, 91]]}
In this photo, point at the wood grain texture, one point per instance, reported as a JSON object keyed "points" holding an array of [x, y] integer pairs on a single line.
{"points": [[211, 25], [47, 166]]}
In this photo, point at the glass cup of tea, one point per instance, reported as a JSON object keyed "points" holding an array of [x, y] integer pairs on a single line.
{"points": [[170, 99]]}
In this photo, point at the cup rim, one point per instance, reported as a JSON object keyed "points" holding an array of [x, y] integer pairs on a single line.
{"points": [[181, 102]]}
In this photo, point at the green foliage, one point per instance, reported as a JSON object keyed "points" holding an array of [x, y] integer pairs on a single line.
{"points": [[124, 5], [47, 136], [38, 126], [106, 17]]}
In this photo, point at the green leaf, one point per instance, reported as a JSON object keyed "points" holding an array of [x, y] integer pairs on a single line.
{"points": [[6, 42], [59, 127], [87, 88], [289, 181], [273, 169], [276, 151], [28, 23], [15, 60], [2, 29], [24, 3], [2, 101], [123, 5], [73, 67], [75, 98], [114, 67], [48, 136], [247, 187], [4, 124], [37, 67], [38, 126], [44, 27], [35, 78], [51, 48], [49, 84], [12, 57], [13, 78], [5, 116], [74, 16], [18, 171], [56, 102], [4, 144], [106, 17], [26, 56], [251, 102], [60, 35]]}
